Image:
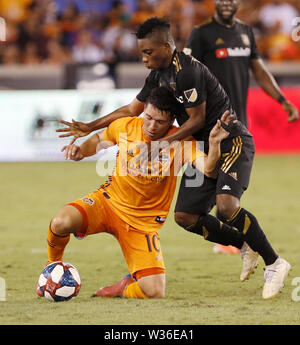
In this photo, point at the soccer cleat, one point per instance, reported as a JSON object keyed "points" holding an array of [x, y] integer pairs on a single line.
{"points": [[250, 260], [115, 290], [275, 275], [220, 249]]}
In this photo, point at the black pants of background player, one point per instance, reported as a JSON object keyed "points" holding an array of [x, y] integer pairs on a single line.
{"points": [[233, 179]]}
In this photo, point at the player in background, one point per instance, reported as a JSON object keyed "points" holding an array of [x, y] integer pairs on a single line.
{"points": [[228, 48], [132, 206], [200, 102]]}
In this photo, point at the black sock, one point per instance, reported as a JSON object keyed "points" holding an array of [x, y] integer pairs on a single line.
{"points": [[216, 231], [246, 223]]}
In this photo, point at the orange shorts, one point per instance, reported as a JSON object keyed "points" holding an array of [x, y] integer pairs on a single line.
{"points": [[141, 249]]}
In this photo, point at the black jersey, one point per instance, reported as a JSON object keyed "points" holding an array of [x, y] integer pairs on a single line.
{"points": [[192, 83], [227, 52]]}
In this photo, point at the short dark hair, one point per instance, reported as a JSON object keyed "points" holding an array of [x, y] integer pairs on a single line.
{"points": [[153, 26], [162, 99]]}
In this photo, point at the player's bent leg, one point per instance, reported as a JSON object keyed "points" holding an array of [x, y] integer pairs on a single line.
{"points": [[146, 286], [68, 220], [153, 286], [210, 228]]}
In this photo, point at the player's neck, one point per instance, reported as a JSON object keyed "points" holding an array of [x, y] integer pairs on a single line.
{"points": [[229, 23]]}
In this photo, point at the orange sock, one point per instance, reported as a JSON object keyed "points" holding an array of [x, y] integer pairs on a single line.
{"points": [[134, 291], [56, 244]]}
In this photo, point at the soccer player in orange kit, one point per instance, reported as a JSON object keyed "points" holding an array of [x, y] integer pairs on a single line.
{"points": [[134, 203]]}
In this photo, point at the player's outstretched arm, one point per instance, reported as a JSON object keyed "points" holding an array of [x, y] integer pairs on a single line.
{"points": [[218, 133], [80, 129], [90, 147], [267, 82]]}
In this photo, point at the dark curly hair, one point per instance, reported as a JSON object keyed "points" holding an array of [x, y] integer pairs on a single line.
{"points": [[155, 27], [162, 99]]}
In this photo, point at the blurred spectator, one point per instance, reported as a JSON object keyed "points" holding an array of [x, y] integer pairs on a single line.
{"points": [[56, 54], [97, 30], [14, 10], [86, 51], [278, 15], [144, 11], [30, 54], [11, 55]]}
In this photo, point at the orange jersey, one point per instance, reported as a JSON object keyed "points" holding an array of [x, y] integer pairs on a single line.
{"points": [[142, 196]]}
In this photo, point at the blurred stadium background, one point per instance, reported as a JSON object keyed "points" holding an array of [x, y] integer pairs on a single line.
{"points": [[88, 45]]}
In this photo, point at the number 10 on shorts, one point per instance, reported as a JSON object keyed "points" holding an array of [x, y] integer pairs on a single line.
{"points": [[153, 243]]}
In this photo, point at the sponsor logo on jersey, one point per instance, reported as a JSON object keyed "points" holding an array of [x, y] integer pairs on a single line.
{"points": [[89, 201], [160, 219], [232, 52], [191, 95]]}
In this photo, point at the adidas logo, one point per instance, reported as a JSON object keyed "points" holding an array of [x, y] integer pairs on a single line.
{"points": [[226, 187], [219, 41], [233, 175]]}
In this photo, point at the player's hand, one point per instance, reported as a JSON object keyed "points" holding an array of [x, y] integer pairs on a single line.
{"points": [[291, 110], [218, 132], [75, 129], [72, 152]]}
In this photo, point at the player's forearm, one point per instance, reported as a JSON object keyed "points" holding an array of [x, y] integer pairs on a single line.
{"points": [[105, 121], [213, 157], [267, 82], [89, 147], [187, 129]]}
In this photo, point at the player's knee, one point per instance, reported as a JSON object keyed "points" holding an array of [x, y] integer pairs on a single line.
{"points": [[61, 224], [153, 286], [155, 291], [185, 220], [227, 206]]}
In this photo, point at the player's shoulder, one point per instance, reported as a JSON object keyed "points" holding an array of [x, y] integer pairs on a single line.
{"points": [[242, 24], [123, 122], [204, 24]]}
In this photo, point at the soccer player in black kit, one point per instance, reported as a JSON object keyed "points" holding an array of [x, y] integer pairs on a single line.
{"points": [[201, 102], [228, 48]]}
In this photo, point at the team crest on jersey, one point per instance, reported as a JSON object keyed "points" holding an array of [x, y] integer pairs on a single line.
{"points": [[191, 95], [163, 159], [245, 39]]}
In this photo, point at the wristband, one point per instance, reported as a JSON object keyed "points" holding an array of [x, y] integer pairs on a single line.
{"points": [[281, 99]]}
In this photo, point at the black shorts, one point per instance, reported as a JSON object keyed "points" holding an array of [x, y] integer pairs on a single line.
{"points": [[233, 179]]}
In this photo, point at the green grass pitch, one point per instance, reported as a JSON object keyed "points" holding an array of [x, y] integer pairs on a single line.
{"points": [[202, 287]]}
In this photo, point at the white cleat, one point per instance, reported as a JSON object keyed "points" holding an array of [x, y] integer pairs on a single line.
{"points": [[250, 260], [275, 275]]}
